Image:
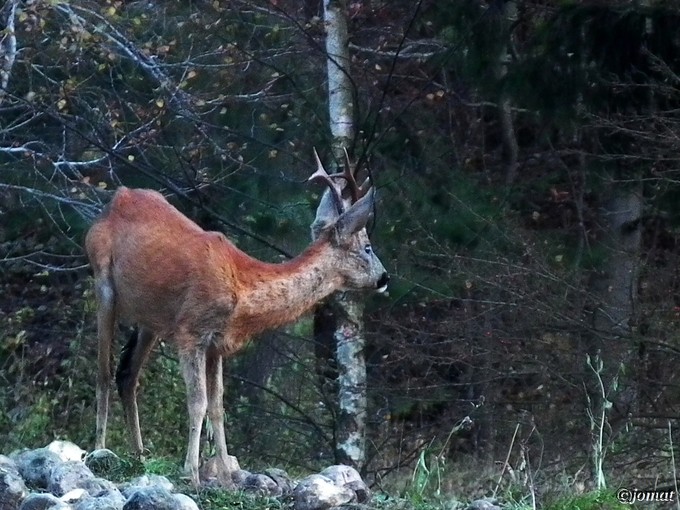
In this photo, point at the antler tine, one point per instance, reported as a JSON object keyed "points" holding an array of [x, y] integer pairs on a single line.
{"points": [[365, 187], [322, 175], [348, 174]]}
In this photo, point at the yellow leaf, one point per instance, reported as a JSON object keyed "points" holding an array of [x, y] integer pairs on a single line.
{"points": [[160, 103], [131, 157]]}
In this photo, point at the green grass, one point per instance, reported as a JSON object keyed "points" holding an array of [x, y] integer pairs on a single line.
{"points": [[216, 499], [596, 500]]}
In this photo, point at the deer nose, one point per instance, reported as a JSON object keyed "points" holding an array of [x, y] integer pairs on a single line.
{"points": [[382, 282]]}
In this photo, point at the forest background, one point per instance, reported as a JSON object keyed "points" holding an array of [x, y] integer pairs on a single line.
{"points": [[526, 159]]}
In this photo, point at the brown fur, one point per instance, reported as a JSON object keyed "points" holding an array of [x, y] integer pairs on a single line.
{"points": [[157, 269]]}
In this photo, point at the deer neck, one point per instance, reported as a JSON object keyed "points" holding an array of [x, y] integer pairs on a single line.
{"points": [[275, 294]]}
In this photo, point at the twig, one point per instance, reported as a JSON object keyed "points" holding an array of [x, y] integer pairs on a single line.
{"points": [[507, 460]]}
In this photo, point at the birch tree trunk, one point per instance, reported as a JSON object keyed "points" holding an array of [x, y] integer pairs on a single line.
{"points": [[618, 286], [8, 45], [507, 14], [340, 106], [345, 310]]}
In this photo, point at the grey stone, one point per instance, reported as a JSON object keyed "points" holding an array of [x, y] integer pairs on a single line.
{"points": [[35, 466], [130, 487], [347, 476], [66, 450], [239, 477], [44, 501], [184, 502], [318, 492], [151, 498], [102, 502], [110, 498], [12, 487], [261, 485], [102, 461], [483, 504], [282, 479], [67, 476]]}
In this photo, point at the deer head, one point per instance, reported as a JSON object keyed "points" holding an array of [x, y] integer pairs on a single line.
{"points": [[341, 217]]}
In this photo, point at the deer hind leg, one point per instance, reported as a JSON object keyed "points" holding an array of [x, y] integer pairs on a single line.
{"points": [[106, 305], [193, 364], [226, 464], [132, 360]]}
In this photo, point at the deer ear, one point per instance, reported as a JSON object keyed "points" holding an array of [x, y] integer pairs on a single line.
{"points": [[326, 214], [356, 217]]}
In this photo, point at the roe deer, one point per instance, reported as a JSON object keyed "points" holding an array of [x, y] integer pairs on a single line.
{"points": [[158, 270]]}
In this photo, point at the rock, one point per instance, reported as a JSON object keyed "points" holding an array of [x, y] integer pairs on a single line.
{"points": [[74, 486], [282, 479], [348, 477], [96, 504], [361, 490], [239, 477], [184, 502], [102, 461], [105, 501], [45, 501], [483, 504], [130, 487], [12, 487], [318, 492], [75, 495], [261, 485], [35, 466], [71, 475], [98, 487], [151, 498], [212, 472], [7, 463], [66, 450]]}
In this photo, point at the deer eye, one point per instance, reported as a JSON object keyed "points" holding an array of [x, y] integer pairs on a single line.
{"points": [[368, 248]]}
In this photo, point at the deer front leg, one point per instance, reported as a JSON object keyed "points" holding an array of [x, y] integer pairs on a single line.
{"points": [[193, 364], [226, 464]]}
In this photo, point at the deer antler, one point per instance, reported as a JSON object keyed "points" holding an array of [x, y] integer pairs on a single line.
{"points": [[322, 175], [349, 174]]}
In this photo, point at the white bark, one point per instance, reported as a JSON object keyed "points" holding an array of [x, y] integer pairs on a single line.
{"points": [[618, 293], [8, 46], [351, 433], [340, 106]]}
